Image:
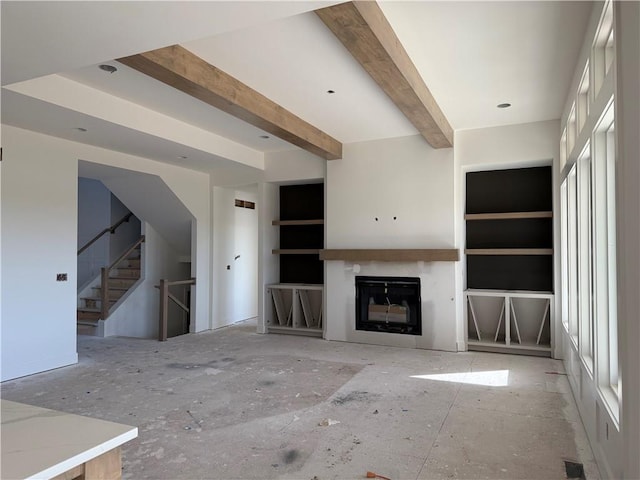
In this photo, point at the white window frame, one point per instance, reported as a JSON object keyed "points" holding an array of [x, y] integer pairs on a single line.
{"points": [[572, 254], [608, 378], [584, 260], [603, 49]]}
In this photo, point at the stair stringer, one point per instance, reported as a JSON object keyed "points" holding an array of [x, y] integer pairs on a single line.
{"points": [[101, 329]]}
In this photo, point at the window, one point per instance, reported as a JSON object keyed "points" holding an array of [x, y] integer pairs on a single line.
{"points": [[571, 130], [583, 99], [603, 48], [563, 149], [572, 256], [609, 52], [584, 260], [564, 239], [604, 255]]}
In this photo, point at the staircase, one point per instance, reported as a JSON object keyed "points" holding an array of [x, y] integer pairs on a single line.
{"points": [[120, 280]]}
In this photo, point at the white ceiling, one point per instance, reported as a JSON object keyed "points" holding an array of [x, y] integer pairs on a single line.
{"points": [[472, 56]]}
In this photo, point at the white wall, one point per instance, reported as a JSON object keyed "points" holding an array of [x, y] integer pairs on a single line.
{"points": [[139, 315], [39, 228], [268, 239], [245, 260], [93, 217], [627, 24], [234, 293], [511, 146], [39, 240], [297, 166], [407, 179]]}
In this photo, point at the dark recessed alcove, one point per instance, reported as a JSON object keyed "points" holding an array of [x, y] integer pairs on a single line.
{"points": [[301, 269], [510, 272], [512, 190], [301, 202], [515, 233], [523, 201]]}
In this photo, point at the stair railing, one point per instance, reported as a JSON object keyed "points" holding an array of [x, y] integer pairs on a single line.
{"points": [[165, 296], [104, 278], [111, 229]]}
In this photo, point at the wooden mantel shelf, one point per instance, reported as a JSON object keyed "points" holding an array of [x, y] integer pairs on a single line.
{"points": [[391, 255]]}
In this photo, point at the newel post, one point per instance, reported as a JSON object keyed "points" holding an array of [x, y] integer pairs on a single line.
{"points": [[164, 310], [104, 293]]}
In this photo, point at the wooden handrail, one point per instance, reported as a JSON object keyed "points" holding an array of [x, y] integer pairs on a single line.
{"points": [[127, 253], [165, 296], [110, 229]]}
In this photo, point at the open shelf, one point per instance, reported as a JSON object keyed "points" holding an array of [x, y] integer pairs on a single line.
{"points": [[507, 215], [298, 222], [391, 255], [508, 251], [509, 229], [295, 251]]}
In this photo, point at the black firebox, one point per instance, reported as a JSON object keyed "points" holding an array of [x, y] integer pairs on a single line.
{"points": [[388, 304]]}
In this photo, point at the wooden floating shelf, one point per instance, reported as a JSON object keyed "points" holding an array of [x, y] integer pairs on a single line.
{"points": [[296, 251], [298, 222], [509, 251], [507, 215], [391, 255]]}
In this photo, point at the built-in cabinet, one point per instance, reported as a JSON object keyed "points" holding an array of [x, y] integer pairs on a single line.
{"points": [[294, 305], [516, 320], [509, 259], [294, 308]]}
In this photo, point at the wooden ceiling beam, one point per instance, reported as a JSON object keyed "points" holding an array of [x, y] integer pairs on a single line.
{"points": [[364, 30], [181, 69]]}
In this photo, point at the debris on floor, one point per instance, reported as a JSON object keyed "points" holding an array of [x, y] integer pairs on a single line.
{"points": [[327, 422], [375, 475]]}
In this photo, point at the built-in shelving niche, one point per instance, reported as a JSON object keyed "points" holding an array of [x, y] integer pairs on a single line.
{"points": [[509, 255], [301, 226]]}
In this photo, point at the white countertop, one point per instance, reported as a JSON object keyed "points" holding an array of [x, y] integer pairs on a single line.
{"points": [[42, 443]]}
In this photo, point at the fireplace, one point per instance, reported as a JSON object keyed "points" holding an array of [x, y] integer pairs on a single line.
{"points": [[388, 304]]}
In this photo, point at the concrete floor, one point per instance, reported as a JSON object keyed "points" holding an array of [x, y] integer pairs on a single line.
{"points": [[233, 404]]}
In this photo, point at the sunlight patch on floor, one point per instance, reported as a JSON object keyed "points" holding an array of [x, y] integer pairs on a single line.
{"points": [[491, 378]]}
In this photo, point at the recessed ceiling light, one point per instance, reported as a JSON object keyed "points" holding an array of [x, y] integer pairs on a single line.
{"points": [[264, 136], [108, 68], [504, 105], [81, 129], [331, 91]]}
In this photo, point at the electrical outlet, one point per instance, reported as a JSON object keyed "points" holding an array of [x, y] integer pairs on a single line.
{"points": [[61, 277]]}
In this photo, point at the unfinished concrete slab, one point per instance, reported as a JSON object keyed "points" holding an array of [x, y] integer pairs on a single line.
{"points": [[233, 404]]}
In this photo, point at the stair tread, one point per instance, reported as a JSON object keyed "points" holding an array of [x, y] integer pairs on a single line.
{"points": [[121, 277], [98, 298], [114, 288], [89, 310]]}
